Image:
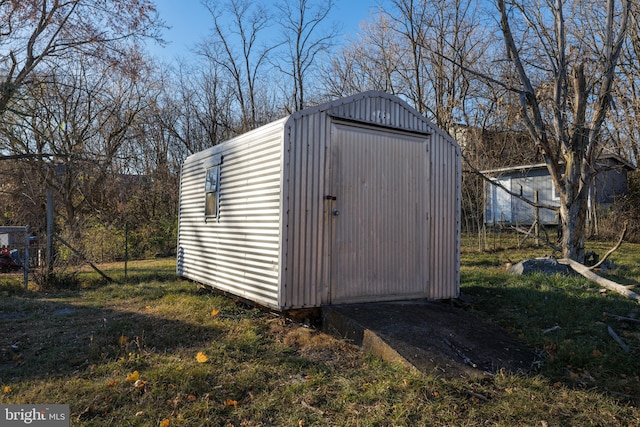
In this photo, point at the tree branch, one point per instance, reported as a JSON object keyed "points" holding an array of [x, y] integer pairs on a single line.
{"points": [[613, 249], [605, 283]]}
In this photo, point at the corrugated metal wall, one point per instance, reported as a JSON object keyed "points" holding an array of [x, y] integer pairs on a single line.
{"points": [[307, 171], [305, 236], [273, 241], [238, 253], [445, 193]]}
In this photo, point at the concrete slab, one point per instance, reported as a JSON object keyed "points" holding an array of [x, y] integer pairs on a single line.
{"points": [[434, 337]]}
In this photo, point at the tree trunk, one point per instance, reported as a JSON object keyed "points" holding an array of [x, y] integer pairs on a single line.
{"points": [[575, 137], [573, 218], [573, 209]]}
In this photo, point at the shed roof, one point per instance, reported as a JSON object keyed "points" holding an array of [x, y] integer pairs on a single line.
{"points": [[376, 109], [535, 166]]}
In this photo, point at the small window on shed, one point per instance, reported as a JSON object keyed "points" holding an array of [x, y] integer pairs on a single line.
{"points": [[212, 192]]}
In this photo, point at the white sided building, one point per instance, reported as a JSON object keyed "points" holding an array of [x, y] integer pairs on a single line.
{"points": [[356, 200]]}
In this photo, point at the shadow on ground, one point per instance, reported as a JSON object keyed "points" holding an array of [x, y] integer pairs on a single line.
{"points": [[43, 338], [435, 337]]}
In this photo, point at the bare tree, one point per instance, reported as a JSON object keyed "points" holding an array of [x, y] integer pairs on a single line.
{"points": [[234, 47], [412, 22], [368, 62], [195, 110], [305, 40], [38, 33], [421, 50], [566, 71], [626, 111], [442, 40], [458, 33], [83, 118]]}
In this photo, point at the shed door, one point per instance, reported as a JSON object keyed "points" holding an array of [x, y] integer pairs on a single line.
{"points": [[379, 217]]}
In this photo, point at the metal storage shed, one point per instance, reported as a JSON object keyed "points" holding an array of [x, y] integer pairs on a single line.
{"points": [[356, 200]]}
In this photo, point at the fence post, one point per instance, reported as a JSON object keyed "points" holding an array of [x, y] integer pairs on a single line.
{"points": [[126, 248], [25, 261], [49, 253], [536, 218]]}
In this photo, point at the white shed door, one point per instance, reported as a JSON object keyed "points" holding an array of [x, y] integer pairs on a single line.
{"points": [[379, 217]]}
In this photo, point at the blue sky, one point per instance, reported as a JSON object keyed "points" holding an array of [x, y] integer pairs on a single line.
{"points": [[190, 22]]}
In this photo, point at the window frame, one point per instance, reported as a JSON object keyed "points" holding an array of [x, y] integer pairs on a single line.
{"points": [[212, 189]]}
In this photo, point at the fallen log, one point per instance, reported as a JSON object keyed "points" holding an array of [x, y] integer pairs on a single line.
{"points": [[605, 283]]}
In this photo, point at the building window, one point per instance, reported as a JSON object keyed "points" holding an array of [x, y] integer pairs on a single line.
{"points": [[212, 192], [554, 193]]}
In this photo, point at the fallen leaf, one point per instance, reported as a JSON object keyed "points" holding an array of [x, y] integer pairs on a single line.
{"points": [[201, 357], [133, 377], [175, 402], [140, 384], [300, 423], [112, 383], [148, 308], [191, 398], [123, 340], [230, 402], [436, 394], [214, 313], [597, 353], [7, 389], [164, 423]]}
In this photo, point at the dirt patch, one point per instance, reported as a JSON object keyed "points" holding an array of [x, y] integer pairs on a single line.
{"points": [[314, 344], [436, 338]]}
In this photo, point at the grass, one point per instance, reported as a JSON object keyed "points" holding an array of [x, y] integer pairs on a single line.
{"points": [[126, 354]]}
